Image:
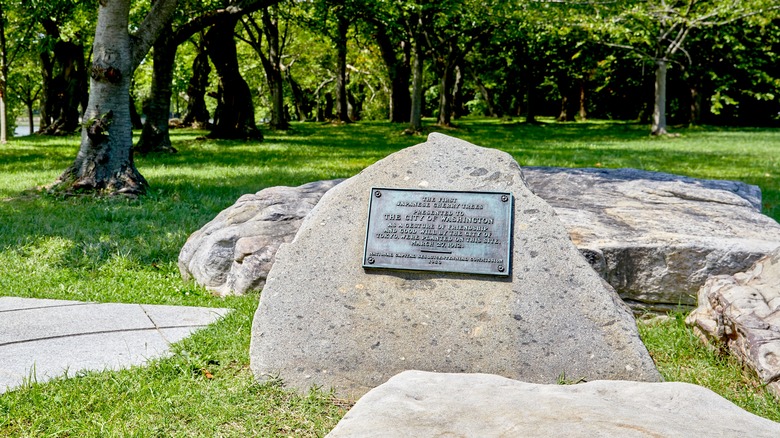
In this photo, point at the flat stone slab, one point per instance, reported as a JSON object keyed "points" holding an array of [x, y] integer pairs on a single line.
{"points": [[323, 320], [656, 237], [41, 339], [423, 404]]}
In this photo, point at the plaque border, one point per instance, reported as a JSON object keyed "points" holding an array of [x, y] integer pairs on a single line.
{"points": [[510, 237]]}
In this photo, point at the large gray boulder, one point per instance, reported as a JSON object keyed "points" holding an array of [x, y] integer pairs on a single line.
{"points": [[233, 253], [421, 404], [656, 237], [325, 321], [742, 312]]}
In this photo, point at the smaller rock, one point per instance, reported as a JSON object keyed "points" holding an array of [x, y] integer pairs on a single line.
{"points": [[423, 404], [742, 312], [233, 253]]}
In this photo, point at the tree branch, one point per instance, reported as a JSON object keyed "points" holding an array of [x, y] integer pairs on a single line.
{"points": [[155, 21]]}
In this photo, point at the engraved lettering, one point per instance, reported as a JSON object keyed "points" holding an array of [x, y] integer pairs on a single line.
{"points": [[440, 231]]}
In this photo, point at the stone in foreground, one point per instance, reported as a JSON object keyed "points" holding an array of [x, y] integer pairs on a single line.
{"points": [[325, 321], [233, 253], [421, 404], [656, 237], [742, 311]]}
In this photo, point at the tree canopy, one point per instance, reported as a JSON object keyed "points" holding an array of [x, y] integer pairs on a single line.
{"points": [[233, 66]]}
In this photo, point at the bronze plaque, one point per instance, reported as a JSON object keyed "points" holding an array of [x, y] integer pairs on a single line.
{"points": [[438, 230]]}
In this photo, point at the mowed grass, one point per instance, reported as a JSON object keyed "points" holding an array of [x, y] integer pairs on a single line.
{"points": [[120, 250]]}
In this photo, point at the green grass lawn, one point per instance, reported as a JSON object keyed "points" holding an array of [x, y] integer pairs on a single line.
{"points": [[121, 250]]}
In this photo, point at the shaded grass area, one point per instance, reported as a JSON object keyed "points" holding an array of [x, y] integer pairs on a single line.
{"points": [[119, 250]]}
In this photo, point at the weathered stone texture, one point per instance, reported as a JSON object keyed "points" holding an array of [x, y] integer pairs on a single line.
{"points": [[323, 320], [420, 404], [233, 253], [656, 237], [742, 312]]}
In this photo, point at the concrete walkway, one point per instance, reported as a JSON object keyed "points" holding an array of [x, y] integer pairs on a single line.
{"points": [[42, 339]]}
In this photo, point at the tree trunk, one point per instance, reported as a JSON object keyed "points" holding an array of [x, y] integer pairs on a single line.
{"points": [[659, 107], [415, 118], [459, 106], [569, 99], [695, 117], [104, 161], [530, 98], [30, 115], [47, 69], [197, 114], [342, 106], [155, 136], [490, 107], [135, 118], [65, 90], [3, 79], [273, 71], [301, 101], [447, 84], [234, 117], [399, 71], [583, 111]]}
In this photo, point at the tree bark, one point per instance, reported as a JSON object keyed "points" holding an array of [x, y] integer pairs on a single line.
{"points": [[415, 118], [459, 105], [695, 106], [659, 107], [105, 161], [154, 135], [30, 115], [300, 99], [234, 117], [3, 79], [490, 107], [570, 99], [135, 118], [197, 113], [275, 82], [342, 106], [66, 89], [447, 83], [47, 71], [583, 110], [530, 91], [399, 71]]}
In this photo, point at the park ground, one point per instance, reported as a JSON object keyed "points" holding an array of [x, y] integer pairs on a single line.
{"points": [[125, 250]]}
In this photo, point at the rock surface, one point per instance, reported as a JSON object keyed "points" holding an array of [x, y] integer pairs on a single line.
{"points": [[323, 320], [420, 404], [742, 311], [656, 237], [233, 253]]}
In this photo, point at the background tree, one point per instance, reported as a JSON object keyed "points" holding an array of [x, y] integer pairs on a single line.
{"points": [[270, 55], [657, 30], [155, 136]]}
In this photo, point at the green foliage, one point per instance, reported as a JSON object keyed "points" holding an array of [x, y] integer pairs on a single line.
{"points": [[121, 250]]}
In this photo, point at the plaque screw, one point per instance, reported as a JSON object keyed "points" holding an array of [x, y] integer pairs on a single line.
{"points": [[371, 259], [504, 198], [500, 268], [378, 194]]}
